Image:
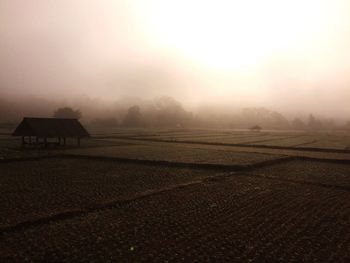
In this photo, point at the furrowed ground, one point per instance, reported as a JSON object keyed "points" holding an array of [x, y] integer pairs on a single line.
{"points": [[131, 195], [36, 189]]}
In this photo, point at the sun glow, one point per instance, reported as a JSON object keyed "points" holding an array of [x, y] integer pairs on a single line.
{"points": [[233, 35]]}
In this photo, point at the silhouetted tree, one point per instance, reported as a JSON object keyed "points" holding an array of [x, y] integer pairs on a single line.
{"points": [[262, 117], [133, 117], [278, 120], [313, 123], [328, 124], [67, 113], [171, 113], [298, 124], [347, 125]]}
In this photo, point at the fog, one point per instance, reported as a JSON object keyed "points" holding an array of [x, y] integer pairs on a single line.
{"points": [[104, 56]]}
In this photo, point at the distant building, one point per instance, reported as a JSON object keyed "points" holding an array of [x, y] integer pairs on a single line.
{"points": [[43, 129]]}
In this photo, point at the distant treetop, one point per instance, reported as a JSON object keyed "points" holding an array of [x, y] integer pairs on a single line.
{"points": [[133, 117], [67, 113]]}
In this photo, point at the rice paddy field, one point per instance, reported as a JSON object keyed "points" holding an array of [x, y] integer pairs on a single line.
{"points": [[177, 195]]}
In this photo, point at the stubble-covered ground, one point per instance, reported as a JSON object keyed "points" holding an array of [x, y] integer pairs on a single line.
{"points": [[178, 195]]}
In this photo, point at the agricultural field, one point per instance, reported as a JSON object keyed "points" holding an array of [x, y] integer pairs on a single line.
{"points": [[342, 143], [333, 141], [324, 173], [156, 195], [50, 186], [292, 141], [177, 154]]}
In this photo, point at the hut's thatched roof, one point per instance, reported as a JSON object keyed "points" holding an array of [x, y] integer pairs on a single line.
{"points": [[50, 127]]}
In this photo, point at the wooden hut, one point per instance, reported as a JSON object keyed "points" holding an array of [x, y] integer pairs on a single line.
{"points": [[256, 128], [37, 131]]}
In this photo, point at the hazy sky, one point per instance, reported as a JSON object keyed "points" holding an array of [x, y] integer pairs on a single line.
{"points": [[290, 55]]}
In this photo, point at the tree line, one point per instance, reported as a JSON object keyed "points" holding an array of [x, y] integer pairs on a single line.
{"points": [[167, 112]]}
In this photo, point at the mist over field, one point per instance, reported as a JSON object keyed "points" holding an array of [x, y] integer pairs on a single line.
{"points": [[214, 58], [174, 130]]}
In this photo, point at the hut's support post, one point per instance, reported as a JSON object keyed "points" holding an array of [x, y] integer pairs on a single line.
{"points": [[78, 140], [64, 141], [23, 141], [45, 142], [59, 140]]}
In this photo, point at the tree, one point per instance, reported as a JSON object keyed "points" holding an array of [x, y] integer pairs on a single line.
{"points": [[314, 124], [133, 117], [263, 117], [347, 125], [170, 113], [67, 113], [298, 124], [278, 120], [328, 124]]}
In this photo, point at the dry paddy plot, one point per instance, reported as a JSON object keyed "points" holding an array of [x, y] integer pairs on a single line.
{"points": [[178, 154], [88, 206], [337, 141], [238, 219], [232, 139], [316, 172], [31, 190], [292, 141], [330, 143]]}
